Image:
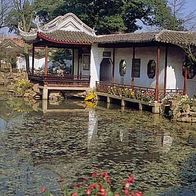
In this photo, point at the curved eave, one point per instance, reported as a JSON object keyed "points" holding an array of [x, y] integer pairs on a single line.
{"points": [[49, 39], [177, 43]]}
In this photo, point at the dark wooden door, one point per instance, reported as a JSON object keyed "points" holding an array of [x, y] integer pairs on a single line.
{"points": [[106, 69]]}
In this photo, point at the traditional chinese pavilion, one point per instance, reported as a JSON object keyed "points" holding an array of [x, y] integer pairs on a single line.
{"points": [[150, 63]]}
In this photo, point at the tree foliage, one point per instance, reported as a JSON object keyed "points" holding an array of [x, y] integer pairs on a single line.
{"points": [[4, 10], [21, 14], [110, 16]]}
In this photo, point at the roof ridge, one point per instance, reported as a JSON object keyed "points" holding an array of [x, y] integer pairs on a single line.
{"points": [[131, 33]]}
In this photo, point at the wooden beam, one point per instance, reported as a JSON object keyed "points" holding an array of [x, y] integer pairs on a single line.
{"points": [[46, 61], [33, 58], [185, 81], [165, 70], [113, 65], [157, 75]]}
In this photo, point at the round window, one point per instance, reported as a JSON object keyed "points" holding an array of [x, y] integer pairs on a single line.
{"points": [[122, 67]]}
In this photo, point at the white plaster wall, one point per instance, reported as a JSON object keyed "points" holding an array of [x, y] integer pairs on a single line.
{"points": [[145, 54], [191, 87], [38, 63], [126, 54], [96, 58], [175, 78]]}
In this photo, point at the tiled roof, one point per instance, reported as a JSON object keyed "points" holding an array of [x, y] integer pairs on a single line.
{"points": [[177, 37], [127, 37], [67, 37], [164, 36]]}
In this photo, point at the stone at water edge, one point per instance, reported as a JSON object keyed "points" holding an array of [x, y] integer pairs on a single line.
{"points": [[36, 88]]}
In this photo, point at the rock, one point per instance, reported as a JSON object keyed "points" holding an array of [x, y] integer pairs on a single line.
{"points": [[36, 88], [185, 119], [193, 114], [193, 108], [55, 96]]}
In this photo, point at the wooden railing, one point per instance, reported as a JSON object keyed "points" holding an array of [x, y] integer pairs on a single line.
{"points": [[56, 80], [134, 92]]}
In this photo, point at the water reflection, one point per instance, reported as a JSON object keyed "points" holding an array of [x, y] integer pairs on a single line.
{"points": [[3, 125], [92, 126], [67, 141], [62, 106]]}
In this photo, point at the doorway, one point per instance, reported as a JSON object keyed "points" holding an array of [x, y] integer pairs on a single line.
{"points": [[106, 69]]}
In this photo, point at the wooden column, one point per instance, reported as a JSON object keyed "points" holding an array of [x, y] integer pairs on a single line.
{"points": [[185, 81], [165, 71], [78, 71], [132, 78], [157, 75], [73, 56], [33, 59], [113, 65], [46, 61]]}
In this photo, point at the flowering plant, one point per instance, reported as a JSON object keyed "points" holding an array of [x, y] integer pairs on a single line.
{"points": [[100, 184]]}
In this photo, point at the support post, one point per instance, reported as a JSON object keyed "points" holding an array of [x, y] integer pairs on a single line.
{"points": [[157, 75], [113, 65], [132, 77], [185, 81], [78, 72], [46, 61], [108, 99], [73, 56], [140, 106], [33, 59], [165, 71], [45, 93], [122, 103]]}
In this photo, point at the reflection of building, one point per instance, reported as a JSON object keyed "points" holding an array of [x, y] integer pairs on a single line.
{"points": [[92, 126], [3, 125], [167, 142]]}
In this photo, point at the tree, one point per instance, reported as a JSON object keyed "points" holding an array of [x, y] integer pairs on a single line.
{"points": [[109, 16], [4, 10], [21, 14], [178, 11]]}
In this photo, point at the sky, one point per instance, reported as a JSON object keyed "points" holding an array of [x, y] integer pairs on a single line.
{"points": [[189, 6]]}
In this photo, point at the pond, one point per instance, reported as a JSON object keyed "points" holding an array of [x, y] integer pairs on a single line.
{"points": [[48, 144]]}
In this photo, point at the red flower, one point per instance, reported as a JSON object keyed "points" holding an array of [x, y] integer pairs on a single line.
{"points": [[42, 189], [127, 185], [116, 194], [131, 180], [74, 194], [94, 175], [88, 192], [138, 194], [105, 174], [103, 192], [92, 186], [126, 191]]}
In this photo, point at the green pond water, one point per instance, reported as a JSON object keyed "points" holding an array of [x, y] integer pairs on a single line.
{"points": [[47, 144]]}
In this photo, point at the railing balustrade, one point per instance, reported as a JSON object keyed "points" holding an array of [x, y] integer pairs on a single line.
{"points": [[65, 80], [146, 94]]}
